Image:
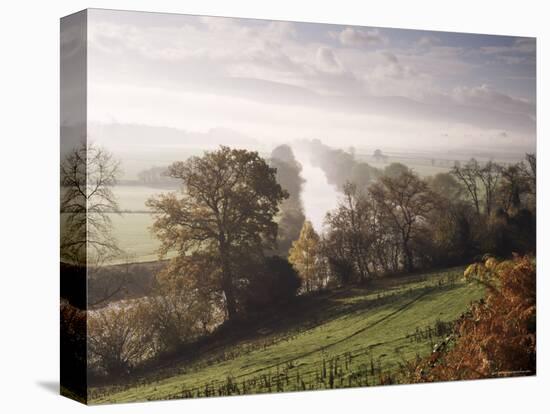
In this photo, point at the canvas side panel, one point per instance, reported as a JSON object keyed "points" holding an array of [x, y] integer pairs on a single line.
{"points": [[73, 255]]}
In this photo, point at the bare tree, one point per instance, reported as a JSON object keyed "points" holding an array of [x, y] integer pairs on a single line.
{"points": [[480, 182], [489, 176], [406, 201], [120, 337], [468, 175], [532, 171], [352, 231], [88, 174]]}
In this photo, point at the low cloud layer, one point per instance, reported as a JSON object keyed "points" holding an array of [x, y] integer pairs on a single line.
{"points": [[282, 80], [361, 38]]}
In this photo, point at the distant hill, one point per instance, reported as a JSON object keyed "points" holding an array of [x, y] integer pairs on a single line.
{"points": [[140, 147], [127, 137]]}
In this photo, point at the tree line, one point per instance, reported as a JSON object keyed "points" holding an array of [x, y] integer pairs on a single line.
{"points": [[241, 246], [399, 222]]}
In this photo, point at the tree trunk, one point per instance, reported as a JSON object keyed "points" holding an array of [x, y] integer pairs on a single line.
{"points": [[230, 302], [227, 283], [409, 265]]}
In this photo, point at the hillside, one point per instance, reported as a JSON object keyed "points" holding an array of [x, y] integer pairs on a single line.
{"points": [[343, 338]]}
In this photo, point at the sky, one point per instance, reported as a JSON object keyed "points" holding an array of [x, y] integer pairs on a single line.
{"points": [[279, 81]]}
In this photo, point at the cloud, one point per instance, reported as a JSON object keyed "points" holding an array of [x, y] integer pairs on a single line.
{"points": [[521, 51], [521, 45], [356, 72], [392, 77], [391, 58], [487, 97], [327, 61], [427, 41], [394, 69], [196, 37], [360, 38], [526, 44]]}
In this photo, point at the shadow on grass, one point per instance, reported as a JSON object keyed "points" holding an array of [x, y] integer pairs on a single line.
{"points": [[297, 317]]}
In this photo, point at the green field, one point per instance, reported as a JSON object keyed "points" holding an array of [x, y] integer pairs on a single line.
{"points": [[131, 227], [131, 231], [343, 338], [133, 197]]}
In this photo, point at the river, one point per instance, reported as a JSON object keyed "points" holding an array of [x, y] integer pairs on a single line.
{"points": [[318, 196]]}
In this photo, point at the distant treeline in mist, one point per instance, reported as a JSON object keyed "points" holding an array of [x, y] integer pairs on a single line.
{"points": [[156, 177], [340, 166], [291, 216]]}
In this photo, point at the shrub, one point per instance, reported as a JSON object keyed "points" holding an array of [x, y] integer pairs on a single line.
{"points": [[275, 282], [498, 336], [119, 338], [180, 316]]}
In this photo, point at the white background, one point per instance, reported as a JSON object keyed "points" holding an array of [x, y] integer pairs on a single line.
{"points": [[29, 147]]}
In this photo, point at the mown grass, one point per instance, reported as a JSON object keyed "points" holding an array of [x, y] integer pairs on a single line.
{"points": [[349, 337]]}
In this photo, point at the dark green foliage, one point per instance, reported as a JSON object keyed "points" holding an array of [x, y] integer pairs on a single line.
{"points": [[275, 282], [341, 268], [506, 233]]}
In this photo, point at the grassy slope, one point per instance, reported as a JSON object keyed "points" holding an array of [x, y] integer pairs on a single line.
{"points": [[354, 333]]}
